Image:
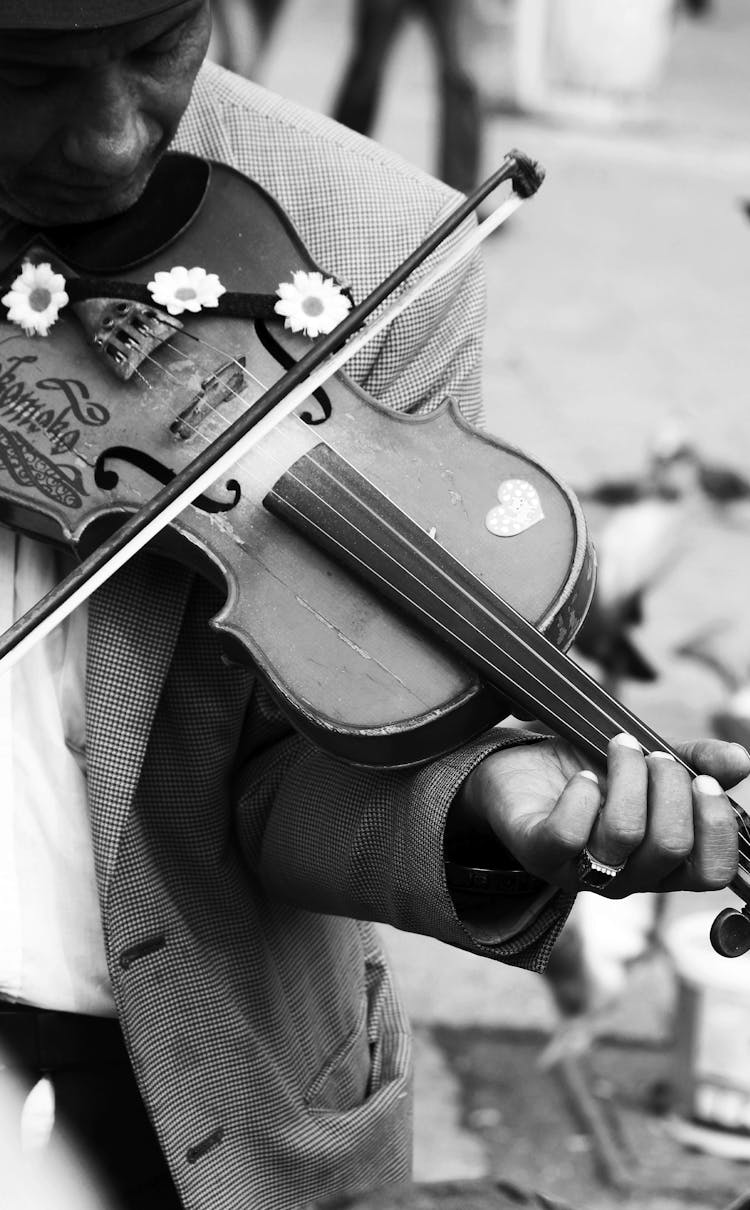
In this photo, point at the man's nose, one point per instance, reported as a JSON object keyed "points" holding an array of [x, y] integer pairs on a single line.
{"points": [[108, 132]]}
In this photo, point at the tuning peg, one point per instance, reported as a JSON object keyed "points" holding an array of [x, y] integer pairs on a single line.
{"points": [[730, 933]]}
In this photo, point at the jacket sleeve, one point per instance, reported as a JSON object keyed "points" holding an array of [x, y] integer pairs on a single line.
{"points": [[368, 844]]}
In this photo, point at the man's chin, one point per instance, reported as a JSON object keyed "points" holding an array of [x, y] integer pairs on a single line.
{"points": [[64, 209]]}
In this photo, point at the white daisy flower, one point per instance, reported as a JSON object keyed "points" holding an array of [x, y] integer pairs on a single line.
{"points": [[184, 289], [35, 298], [311, 303]]}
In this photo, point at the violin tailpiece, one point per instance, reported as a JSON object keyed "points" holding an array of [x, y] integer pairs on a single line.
{"points": [[123, 332]]}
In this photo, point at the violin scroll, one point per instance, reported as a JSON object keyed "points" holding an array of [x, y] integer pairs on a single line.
{"points": [[730, 932]]}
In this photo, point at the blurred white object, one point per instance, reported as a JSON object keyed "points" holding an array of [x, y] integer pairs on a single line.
{"points": [[649, 522], [40, 1169], [712, 1050], [614, 934], [38, 1116], [639, 543], [590, 60]]}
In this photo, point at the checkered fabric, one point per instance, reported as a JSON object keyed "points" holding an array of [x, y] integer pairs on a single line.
{"points": [[238, 866]]}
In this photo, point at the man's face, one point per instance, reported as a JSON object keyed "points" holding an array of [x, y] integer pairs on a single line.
{"points": [[84, 117]]}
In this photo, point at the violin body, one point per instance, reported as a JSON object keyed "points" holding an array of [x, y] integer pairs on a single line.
{"points": [[81, 448], [402, 582]]}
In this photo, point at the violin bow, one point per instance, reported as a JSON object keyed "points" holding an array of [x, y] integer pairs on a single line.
{"points": [[321, 362]]}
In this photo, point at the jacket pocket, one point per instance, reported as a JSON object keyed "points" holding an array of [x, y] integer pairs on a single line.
{"points": [[343, 1082], [375, 1053]]}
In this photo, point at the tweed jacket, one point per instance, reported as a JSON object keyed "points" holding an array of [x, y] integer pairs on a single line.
{"points": [[239, 868]]}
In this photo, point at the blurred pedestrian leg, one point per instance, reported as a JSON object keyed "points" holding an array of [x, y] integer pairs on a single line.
{"points": [[376, 24], [460, 117]]}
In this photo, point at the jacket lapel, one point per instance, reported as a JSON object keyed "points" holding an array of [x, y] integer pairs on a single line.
{"points": [[134, 620]]}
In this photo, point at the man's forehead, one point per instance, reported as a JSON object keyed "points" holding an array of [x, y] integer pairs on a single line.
{"points": [[33, 15]]}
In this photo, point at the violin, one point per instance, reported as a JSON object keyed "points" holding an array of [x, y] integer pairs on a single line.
{"points": [[402, 582]]}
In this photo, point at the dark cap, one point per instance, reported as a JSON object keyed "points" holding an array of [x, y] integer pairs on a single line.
{"points": [[79, 14]]}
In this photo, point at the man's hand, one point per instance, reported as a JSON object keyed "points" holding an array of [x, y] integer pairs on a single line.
{"points": [[672, 832]]}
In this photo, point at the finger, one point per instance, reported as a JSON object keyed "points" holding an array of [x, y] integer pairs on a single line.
{"points": [[669, 837], [621, 825], [727, 763], [712, 862], [555, 841]]}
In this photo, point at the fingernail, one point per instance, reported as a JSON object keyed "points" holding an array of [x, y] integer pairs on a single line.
{"points": [[707, 785], [662, 755], [627, 741], [743, 750], [588, 773]]}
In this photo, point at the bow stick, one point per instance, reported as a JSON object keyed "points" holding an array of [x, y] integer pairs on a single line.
{"points": [[319, 364]]}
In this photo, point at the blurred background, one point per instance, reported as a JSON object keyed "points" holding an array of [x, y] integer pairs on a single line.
{"points": [[618, 354]]}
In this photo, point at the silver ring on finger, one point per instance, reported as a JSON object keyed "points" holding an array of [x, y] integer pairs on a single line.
{"points": [[595, 875]]}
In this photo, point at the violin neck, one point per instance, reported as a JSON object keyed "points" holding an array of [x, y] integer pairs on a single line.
{"points": [[343, 513]]}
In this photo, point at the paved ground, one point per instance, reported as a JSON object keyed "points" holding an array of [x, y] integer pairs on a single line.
{"points": [[618, 305]]}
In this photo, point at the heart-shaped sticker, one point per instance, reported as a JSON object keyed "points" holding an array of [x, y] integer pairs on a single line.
{"points": [[519, 509]]}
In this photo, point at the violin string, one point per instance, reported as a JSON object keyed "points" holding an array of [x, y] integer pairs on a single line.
{"points": [[165, 370], [143, 379], [195, 431], [225, 353], [539, 701], [181, 330], [268, 456], [169, 374]]}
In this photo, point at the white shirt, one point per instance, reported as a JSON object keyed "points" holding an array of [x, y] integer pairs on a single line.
{"points": [[51, 943]]}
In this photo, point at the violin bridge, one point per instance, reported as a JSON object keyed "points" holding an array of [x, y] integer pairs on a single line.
{"points": [[221, 387], [124, 333]]}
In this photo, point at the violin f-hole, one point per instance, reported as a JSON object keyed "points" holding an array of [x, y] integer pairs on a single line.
{"points": [[107, 478], [286, 361]]}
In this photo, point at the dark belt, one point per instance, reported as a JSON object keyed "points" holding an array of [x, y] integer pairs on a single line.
{"points": [[40, 1039]]}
